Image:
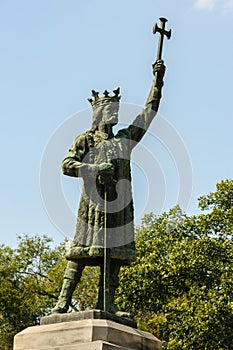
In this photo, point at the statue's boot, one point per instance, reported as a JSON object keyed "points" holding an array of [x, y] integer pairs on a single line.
{"points": [[72, 276], [113, 284]]}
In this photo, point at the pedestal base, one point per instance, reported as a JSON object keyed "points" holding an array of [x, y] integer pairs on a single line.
{"points": [[94, 334], [87, 315]]}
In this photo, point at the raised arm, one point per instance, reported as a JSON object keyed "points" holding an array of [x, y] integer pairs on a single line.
{"points": [[141, 123]]}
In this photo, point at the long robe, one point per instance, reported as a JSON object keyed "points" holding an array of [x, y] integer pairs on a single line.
{"points": [[88, 151]]}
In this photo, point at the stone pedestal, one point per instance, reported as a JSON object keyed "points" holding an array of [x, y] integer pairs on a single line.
{"points": [[87, 315], [84, 334]]}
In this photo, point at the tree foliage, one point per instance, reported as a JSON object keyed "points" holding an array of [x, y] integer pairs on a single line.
{"points": [[181, 285], [180, 288], [31, 277], [26, 285]]}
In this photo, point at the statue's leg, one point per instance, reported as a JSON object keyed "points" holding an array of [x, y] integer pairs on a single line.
{"points": [[72, 276], [113, 284]]}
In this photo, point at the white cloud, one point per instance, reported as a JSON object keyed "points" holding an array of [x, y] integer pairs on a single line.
{"points": [[228, 6], [206, 4]]}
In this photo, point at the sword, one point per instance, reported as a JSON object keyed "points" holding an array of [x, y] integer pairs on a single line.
{"points": [[106, 256]]}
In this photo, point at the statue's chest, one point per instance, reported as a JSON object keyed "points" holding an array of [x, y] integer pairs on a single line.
{"points": [[108, 150]]}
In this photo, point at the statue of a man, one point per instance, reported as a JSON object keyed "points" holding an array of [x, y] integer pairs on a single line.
{"points": [[102, 159]]}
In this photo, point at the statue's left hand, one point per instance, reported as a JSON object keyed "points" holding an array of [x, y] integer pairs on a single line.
{"points": [[159, 69]]}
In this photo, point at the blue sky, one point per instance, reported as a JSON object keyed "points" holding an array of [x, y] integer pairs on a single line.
{"points": [[54, 52]]}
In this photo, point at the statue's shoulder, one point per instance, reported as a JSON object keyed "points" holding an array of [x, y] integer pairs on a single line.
{"points": [[84, 138], [123, 133]]}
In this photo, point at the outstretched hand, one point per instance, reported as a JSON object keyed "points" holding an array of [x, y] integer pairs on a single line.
{"points": [[159, 70]]}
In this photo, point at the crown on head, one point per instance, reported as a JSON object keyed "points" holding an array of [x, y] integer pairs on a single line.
{"points": [[97, 101]]}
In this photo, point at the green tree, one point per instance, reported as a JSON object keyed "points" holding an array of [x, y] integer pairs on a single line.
{"points": [[181, 285], [180, 288], [26, 290], [31, 277]]}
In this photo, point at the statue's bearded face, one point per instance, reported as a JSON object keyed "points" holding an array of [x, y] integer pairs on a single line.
{"points": [[110, 113]]}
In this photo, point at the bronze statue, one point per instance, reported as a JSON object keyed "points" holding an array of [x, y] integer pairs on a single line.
{"points": [[105, 225]]}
